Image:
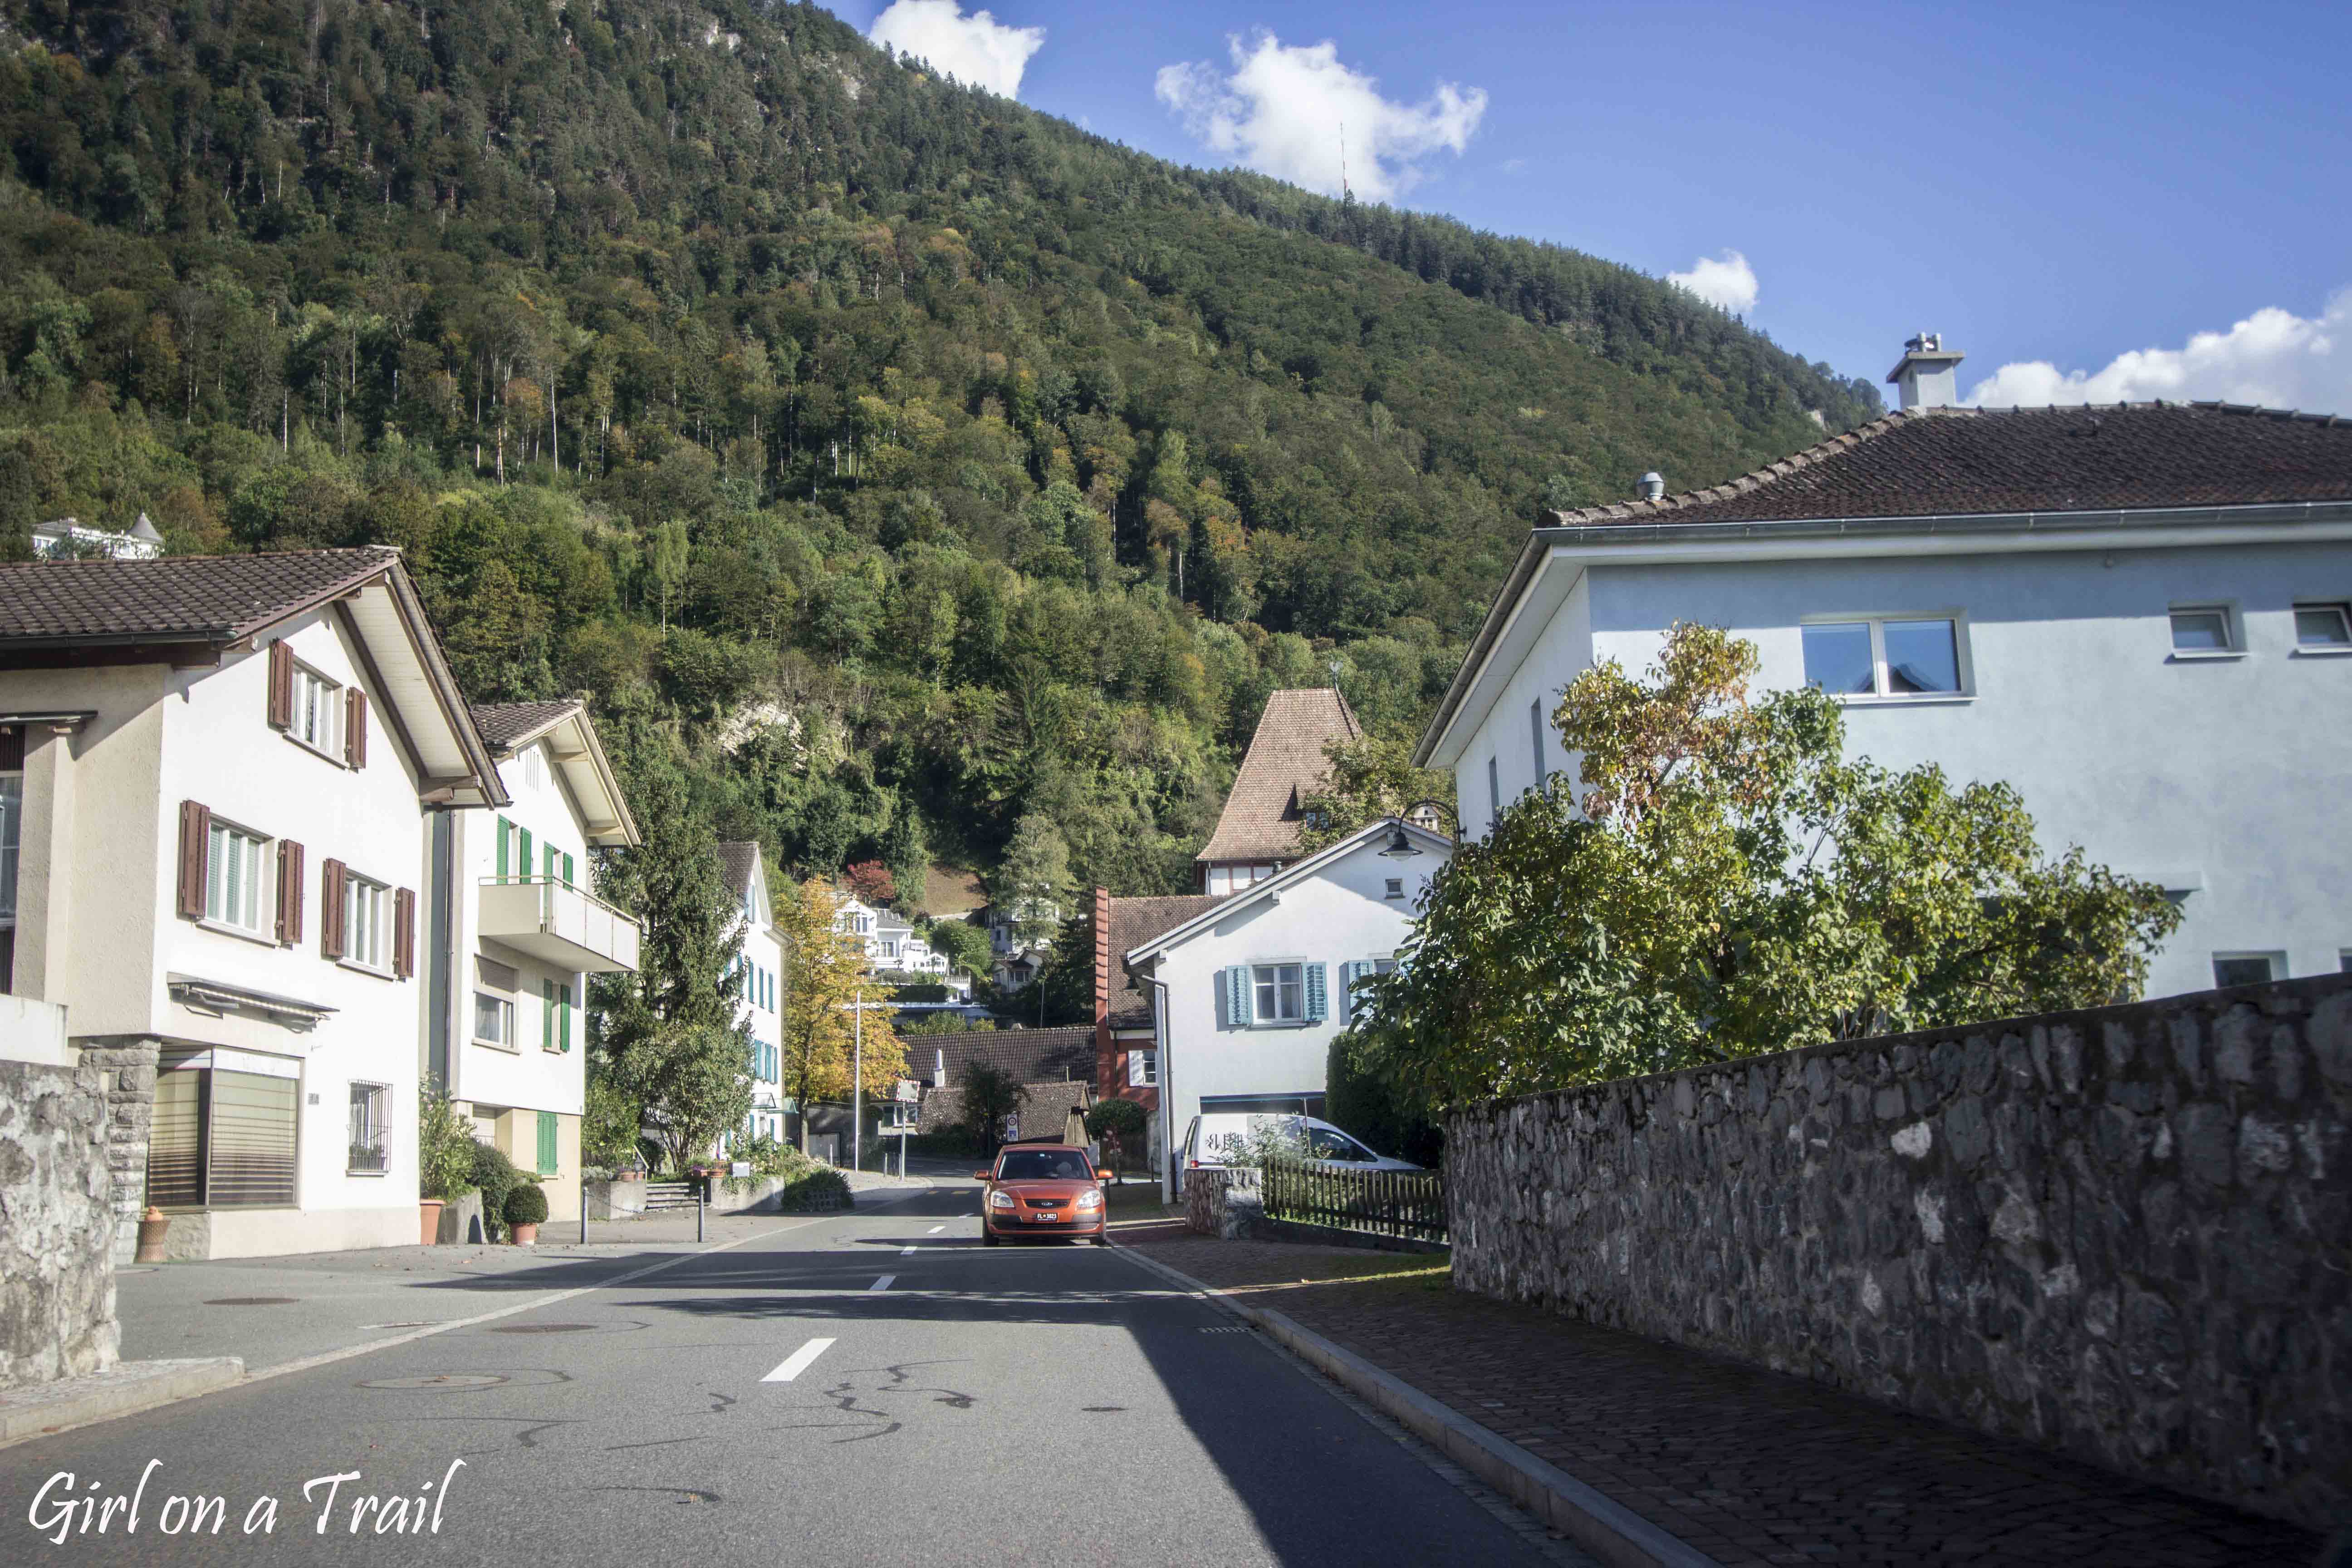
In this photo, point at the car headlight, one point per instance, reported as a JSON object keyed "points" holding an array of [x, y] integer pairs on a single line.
{"points": [[1090, 1200], [1000, 1200]]}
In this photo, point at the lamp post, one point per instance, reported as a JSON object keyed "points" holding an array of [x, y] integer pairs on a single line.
{"points": [[856, 1007]]}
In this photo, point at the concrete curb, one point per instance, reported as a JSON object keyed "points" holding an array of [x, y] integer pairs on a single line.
{"points": [[1597, 1523], [129, 1387]]}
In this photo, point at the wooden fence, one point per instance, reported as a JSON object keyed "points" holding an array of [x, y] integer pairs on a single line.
{"points": [[1386, 1203]]}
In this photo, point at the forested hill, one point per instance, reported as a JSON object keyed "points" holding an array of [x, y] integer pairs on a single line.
{"points": [[890, 460]]}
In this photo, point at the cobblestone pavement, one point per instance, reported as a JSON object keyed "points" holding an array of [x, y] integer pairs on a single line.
{"points": [[1749, 1467]]}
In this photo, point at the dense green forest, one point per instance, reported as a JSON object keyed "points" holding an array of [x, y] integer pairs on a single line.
{"points": [[888, 460]]}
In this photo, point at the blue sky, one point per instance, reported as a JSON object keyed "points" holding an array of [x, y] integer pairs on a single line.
{"points": [[2073, 191]]}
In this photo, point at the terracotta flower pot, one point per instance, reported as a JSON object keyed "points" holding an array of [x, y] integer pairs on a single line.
{"points": [[525, 1234], [428, 1221], [154, 1225]]}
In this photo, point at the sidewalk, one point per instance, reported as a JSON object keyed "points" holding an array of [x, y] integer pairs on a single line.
{"points": [[1747, 1467]]}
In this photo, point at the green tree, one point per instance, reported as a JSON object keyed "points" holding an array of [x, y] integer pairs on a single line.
{"points": [[1032, 886], [1730, 884], [830, 980], [991, 1098], [965, 945], [1371, 777], [691, 1080]]}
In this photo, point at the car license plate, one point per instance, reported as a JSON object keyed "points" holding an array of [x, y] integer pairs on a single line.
{"points": [[1044, 1218]]}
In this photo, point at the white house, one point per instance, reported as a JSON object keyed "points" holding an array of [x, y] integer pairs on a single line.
{"points": [[524, 935], [65, 536], [2140, 616], [1012, 961], [1246, 993], [219, 772], [759, 1004], [888, 939]]}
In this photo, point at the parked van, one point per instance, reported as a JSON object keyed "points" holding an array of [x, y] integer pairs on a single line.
{"points": [[1221, 1139]]}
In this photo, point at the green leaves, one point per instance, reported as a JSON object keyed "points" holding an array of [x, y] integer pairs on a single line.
{"points": [[1730, 885]]}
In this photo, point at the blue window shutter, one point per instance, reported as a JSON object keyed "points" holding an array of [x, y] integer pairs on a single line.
{"points": [[1237, 997], [1318, 1003], [1349, 972]]}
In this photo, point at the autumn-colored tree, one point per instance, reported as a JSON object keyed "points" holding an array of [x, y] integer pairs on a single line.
{"points": [[872, 882], [830, 978]]}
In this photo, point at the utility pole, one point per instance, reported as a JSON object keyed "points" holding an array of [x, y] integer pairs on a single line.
{"points": [[857, 1007]]}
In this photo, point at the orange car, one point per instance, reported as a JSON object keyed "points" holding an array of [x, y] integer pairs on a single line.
{"points": [[1042, 1190]]}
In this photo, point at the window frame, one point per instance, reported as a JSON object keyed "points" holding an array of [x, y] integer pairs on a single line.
{"points": [[1881, 694], [1264, 1018], [265, 880], [1143, 1068], [331, 711], [357, 884], [2273, 957], [2233, 630], [380, 1096], [506, 1008], [2341, 609]]}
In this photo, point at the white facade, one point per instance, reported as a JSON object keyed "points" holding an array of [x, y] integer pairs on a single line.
{"points": [[1249, 995], [760, 1001], [527, 934], [890, 941], [2221, 773], [302, 1059]]}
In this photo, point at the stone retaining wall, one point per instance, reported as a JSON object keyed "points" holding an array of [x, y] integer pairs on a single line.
{"points": [[57, 1224], [2125, 1232]]}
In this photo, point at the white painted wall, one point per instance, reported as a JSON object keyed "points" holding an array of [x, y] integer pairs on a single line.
{"points": [[2229, 774], [1558, 652], [1339, 913]]}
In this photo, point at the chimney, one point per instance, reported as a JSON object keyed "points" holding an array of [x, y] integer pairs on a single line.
{"points": [[1924, 371], [1653, 486], [1105, 1062]]}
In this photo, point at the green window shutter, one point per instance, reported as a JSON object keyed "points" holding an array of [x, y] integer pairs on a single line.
{"points": [[525, 832], [505, 827], [1237, 997], [1318, 1001], [547, 1015], [564, 1000], [548, 1158], [568, 880]]}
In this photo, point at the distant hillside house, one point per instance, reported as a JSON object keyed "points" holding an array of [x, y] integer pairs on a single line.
{"points": [[65, 536], [888, 937], [2140, 616], [1258, 831]]}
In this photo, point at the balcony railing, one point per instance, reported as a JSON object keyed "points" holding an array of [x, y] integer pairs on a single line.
{"points": [[549, 919]]}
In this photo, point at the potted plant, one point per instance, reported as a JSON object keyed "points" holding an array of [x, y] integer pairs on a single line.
{"points": [[445, 1163], [525, 1212]]}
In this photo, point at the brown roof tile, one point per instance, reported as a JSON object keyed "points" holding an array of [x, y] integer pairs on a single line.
{"points": [[1285, 762], [1133, 922], [216, 598], [504, 724], [1948, 462], [735, 857]]}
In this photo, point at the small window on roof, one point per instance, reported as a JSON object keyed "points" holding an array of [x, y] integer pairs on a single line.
{"points": [[2204, 629], [2323, 628]]}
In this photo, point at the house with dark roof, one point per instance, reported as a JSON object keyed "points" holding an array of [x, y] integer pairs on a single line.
{"points": [[219, 782], [2139, 616], [1265, 813]]}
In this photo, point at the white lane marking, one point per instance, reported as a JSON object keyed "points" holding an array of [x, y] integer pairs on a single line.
{"points": [[883, 1283], [935, 1230], [793, 1366], [906, 1252]]}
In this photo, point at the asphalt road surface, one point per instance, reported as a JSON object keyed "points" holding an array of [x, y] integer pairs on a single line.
{"points": [[868, 1388]]}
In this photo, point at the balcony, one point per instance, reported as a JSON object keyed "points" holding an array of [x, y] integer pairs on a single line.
{"points": [[549, 919]]}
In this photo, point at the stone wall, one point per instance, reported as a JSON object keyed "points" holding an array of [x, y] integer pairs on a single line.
{"points": [[56, 1313], [2120, 1232], [125, 1070]]}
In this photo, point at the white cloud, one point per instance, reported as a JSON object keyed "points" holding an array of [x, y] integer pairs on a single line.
{"points": [[1285, 108], [1724, 281], [2272, 357], [977, 50]]}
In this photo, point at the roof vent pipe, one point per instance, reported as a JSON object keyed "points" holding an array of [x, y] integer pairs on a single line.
{"points": [[1653, 486]]}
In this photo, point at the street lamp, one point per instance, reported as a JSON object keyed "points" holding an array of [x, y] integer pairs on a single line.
{"points": [[1400, 845], [856, 1007]]}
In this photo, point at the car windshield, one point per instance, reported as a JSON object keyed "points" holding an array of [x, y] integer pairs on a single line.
{"points": [[1044, 1165]]}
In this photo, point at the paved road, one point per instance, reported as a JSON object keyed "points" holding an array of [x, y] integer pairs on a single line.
{"points": [[1044, 1405]]}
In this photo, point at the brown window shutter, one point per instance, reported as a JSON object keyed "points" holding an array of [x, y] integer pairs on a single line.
{"points": [[281, 686], [289, 892], [403, 933], [195, 845], [331, 908], [355, 729]]}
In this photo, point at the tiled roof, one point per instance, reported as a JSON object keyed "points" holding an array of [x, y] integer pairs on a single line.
{"points": [[220, 599], [1947, 462], [1043, 1113], [1285, 762], [735, 858], [1024, 1056], [504, 724], [1133, 922]]}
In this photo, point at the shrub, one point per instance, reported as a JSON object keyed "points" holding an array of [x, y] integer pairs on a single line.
{"points": [[817, 1187], [527, 1205], [444, 1151], [1121, 1119], [496, 1177]]}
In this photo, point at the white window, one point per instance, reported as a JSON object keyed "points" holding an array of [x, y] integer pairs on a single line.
{"points": [[318, 720], [367, 908], [1396, 887], [2205, 631], [1886, 657], [371, 1131], [2323, 628], [531, 775], [1281, 993], [2247, 968], [1142, 1069], [494, 1018], [233, 878]]}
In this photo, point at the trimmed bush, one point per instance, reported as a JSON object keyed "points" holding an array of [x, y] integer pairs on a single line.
{"points": [[496, 1177], [821, 1187], [527, 1205]]}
